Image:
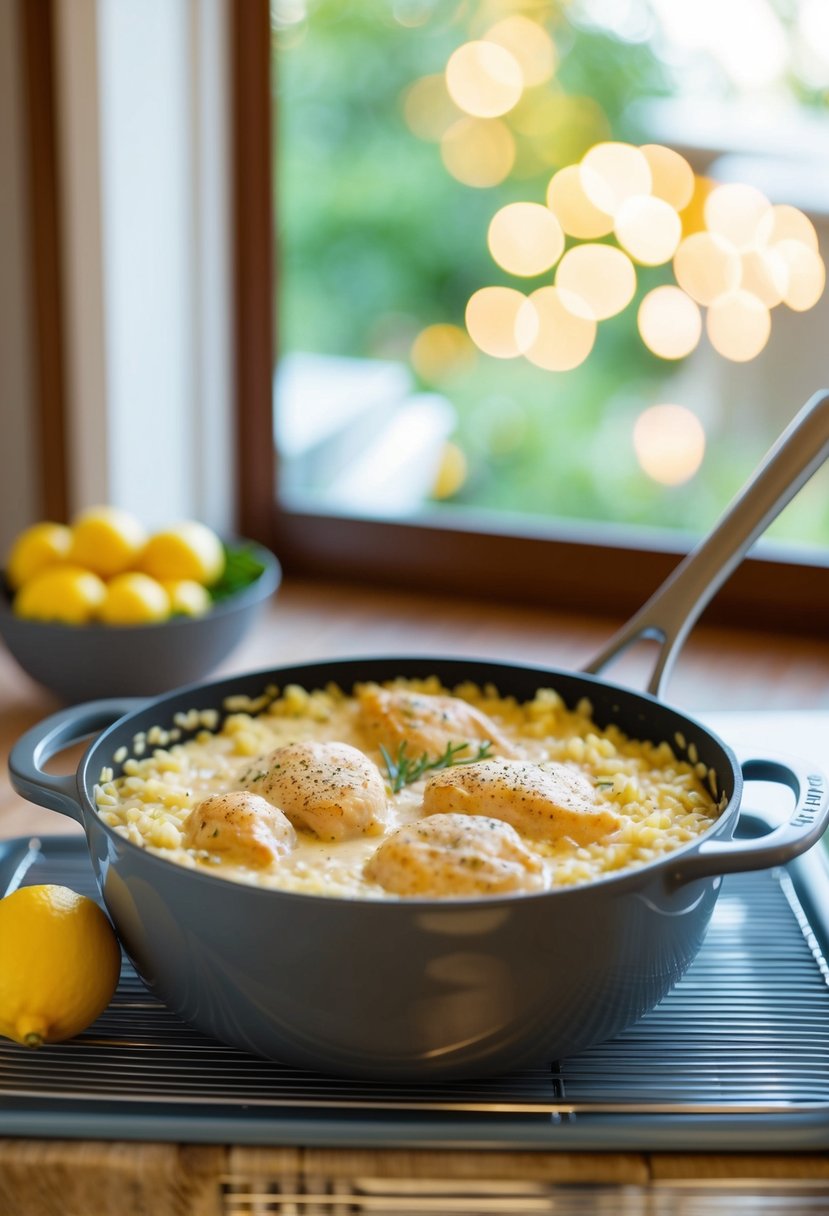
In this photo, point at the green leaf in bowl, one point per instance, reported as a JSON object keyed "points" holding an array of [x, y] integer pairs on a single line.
{"points": [[242, 567]]}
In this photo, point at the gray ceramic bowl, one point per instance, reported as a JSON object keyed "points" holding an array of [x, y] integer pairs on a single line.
{"points": [[82, 662]]}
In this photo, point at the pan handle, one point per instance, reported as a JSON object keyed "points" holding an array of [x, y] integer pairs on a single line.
{"points": [[807, 823], [37, 746], [671, 612]]}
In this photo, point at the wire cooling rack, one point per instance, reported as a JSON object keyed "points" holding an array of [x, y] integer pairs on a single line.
{"points": [[735, 1057]]}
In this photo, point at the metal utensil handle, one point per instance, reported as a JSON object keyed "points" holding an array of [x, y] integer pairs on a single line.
{"points": [[807, 823], [671, 612], [36, 747]]}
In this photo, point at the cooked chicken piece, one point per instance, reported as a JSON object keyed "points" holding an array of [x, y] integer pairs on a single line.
{"points": [[241, 828], [544, 803], [455, 855], [330, 789], [425, 723]]}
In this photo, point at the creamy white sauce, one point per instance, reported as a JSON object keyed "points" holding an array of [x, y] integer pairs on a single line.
{"points": [[661, 801]]}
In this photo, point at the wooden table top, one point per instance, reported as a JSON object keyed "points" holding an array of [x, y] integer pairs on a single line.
{"points": [[720, 668]]}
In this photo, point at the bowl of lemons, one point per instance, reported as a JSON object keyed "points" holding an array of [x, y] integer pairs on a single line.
{"points": [[103, 608]]}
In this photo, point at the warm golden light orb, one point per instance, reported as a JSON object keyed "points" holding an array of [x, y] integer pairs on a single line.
{"points": [[441, 351], [564, 331], [670, 323], [764, 274], [529, 44], [428, 109], [738, 326], [452, 471], [787, 223], [693, 214], [673, 177], [736, 212], [707, 266], [648, 229], [562, 126], [600, 275], [611, 173], [525, 238], [573, 209], [807, 274], [484, 79], [669, 441], [478, 152], [492, 321]]}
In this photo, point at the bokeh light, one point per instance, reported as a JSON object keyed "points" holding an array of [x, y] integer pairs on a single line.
{"points": [[707, 266], [693, 214], [525, 238], [573, 209], [738, 326], [807, 274], [612, 172], [601, 276], [736, 212], [731, 251], [452, 471], [764, 274], [478, 152], [563, 329], [529, 44], [562, 126], [492, 319], [672, 176], [783, 223], [484, 79], [648, 228], [670, 322], [440, 352], [411, 13], [428, 109], [669, 442]]}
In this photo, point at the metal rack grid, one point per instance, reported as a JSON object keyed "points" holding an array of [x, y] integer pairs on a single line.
{"points": [[738, 1051]]}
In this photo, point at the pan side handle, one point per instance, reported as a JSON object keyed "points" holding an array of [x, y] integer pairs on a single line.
{"points": [[806, 824], [37, 746], [671, 612]]}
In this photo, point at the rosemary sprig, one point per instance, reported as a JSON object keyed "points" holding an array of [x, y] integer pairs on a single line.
{"points": [[403, 770]]}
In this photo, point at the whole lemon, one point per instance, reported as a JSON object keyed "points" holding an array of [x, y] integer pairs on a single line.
{"points": [[67, 594], [187, 597], [134, 599], [106, 540], [59, 964], [35, 549], [189, 550]]}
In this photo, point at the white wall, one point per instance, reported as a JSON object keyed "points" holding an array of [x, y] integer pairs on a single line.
{"points": [[143, 88], [19, 493]]}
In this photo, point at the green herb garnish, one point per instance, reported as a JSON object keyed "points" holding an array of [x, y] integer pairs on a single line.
{"points": [[242, 567], [403, 770]]}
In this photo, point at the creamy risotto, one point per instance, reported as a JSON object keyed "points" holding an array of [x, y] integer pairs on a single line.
{"points": [[405, 789]]}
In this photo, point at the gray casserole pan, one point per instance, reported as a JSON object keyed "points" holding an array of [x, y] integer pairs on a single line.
{"points": [[418, 988]]}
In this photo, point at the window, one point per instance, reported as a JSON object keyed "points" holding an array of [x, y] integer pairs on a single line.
{"points": [[406, 447]]}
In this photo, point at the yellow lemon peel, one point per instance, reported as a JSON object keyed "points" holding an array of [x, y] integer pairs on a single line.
{"points": [[106, 540], [134, 599], [67, 594], [35, 549], [59, 964], [189, 550]]}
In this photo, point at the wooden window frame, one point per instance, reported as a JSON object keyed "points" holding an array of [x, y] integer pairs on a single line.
{"points": [[563, 567], [48, 356]]}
